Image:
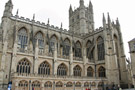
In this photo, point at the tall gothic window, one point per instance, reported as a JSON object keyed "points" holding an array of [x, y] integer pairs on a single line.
{"points": [[23, 66], [39, 37], [101, 72], [22, 39], [78, 51], [88, 48], [77, 70], [44, 69], [23, 85], [66, 47], [100, 48], [89, 72], [53, 41], [36, 85], [62, 70]]}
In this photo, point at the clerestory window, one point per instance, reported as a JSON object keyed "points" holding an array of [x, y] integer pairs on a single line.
{"points": [[62, 70], [66, 47]]}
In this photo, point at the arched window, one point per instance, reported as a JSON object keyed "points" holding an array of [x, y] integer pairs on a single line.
{"points": [[44, 69], [78, 51], [23, 66], [53, 41], [78, 84], [36, 85], [48, 84], [88, 48], [59, 84], [22, 39], [93, 84], [77, 70], [89, 72], [66, 47], [86, 84], [69, 84], [23, 85], [62, 70], [39, 37], [100, 48], [101, 72]]}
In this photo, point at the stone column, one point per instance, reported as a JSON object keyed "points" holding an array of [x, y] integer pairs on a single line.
{"points": [[55, 60], [71, 62], [42, 85], [35, 61]]}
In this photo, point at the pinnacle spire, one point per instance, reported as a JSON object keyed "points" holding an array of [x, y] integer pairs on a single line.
{"points": [[104, 20], [61, 24], [17, 12], [33, 16], [109, 20], [117, 22], [104, 17], [70, 7], [48, 21], [90, 4]]}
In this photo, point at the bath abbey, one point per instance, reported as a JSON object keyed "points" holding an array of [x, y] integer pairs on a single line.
{"points": [[39, 56]]}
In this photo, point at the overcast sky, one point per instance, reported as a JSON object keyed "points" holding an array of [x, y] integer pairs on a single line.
{"points": [[57, 12]]}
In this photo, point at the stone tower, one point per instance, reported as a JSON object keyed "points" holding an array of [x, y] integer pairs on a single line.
{"points": [[81, 20]]}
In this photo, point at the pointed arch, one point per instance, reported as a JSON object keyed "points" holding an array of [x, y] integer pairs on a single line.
{"points": [[100, 48], [40, 38], [78, 50], [88, 45], [23, 66], [44, 68], [48, 84], [90, 71], [69, 84], [78, 84], [36, 85], [86, 84], [23, 85], [66, 47], [22, 39], [53, 41], [77, 70], [62, 70], [101, 72], [59, 84]]}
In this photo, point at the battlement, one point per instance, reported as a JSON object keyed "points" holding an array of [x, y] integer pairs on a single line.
{"points": [[38, 23]]}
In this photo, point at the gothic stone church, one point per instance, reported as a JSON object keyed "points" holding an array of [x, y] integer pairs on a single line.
{"points": [[44, 57]]}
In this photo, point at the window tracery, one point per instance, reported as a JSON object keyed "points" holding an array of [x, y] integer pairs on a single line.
{"points": [[78, 84], [69, 84], [23, 85], [23, 67], [22, 39], [59, 84], [48, 84], [39, 37], [62, 70], [66, 47], [77, 71], [44, 69], [78, 51], [100, 48], [101, 72], [36, 85], [89, 72]]}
